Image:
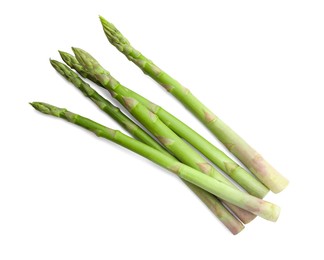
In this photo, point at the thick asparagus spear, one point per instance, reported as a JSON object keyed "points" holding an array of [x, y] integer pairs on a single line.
{"points": [[210, 200], [225, 163], [151, 122], [233, 142], [255, 205]]}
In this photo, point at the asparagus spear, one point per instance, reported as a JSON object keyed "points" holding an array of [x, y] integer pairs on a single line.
{"points": [[152, 123], [210, 200], [255, 205], [225, 163], [233, 142]]}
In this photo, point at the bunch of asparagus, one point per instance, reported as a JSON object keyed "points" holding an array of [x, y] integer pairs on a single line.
{"points": [[169, 142]]}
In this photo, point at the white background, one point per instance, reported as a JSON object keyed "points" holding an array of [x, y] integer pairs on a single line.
{"points": [[65, 194]]}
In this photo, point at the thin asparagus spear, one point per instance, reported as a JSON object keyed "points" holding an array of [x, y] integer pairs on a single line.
{"points": [[255, 205], [151, 122], [225, 163], [233, 142], [210, 200]]}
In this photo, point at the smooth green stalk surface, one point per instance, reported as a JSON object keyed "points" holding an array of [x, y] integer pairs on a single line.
{"points": [[233, 142], [241, 199], [210, 200], [225, 163], [164, 134]]}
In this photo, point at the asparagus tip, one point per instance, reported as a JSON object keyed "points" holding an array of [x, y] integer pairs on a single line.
{"points": [[60, 67], [85, 59], [107, 26], [74, 49], [114, 36], [62, 53], [47, 108], [79, 53], [68, 58], [41, 107], [51, 61], [103, 21]]}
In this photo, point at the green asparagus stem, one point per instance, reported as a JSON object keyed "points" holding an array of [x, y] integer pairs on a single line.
{"points": [[255, 205], [210, 200], [152, 123], [233, 142], [215, 155]]}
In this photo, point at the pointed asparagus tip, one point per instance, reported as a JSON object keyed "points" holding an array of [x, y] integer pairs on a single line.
{"points": [[68, 58], [88, 62], [108, 26], [75, 49], [48, 109], [104, 22], [102, 19], [79, 55], [40, 106], [64, 70], [63, 53], [114, 36], [53, 62], [32, 104]]}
